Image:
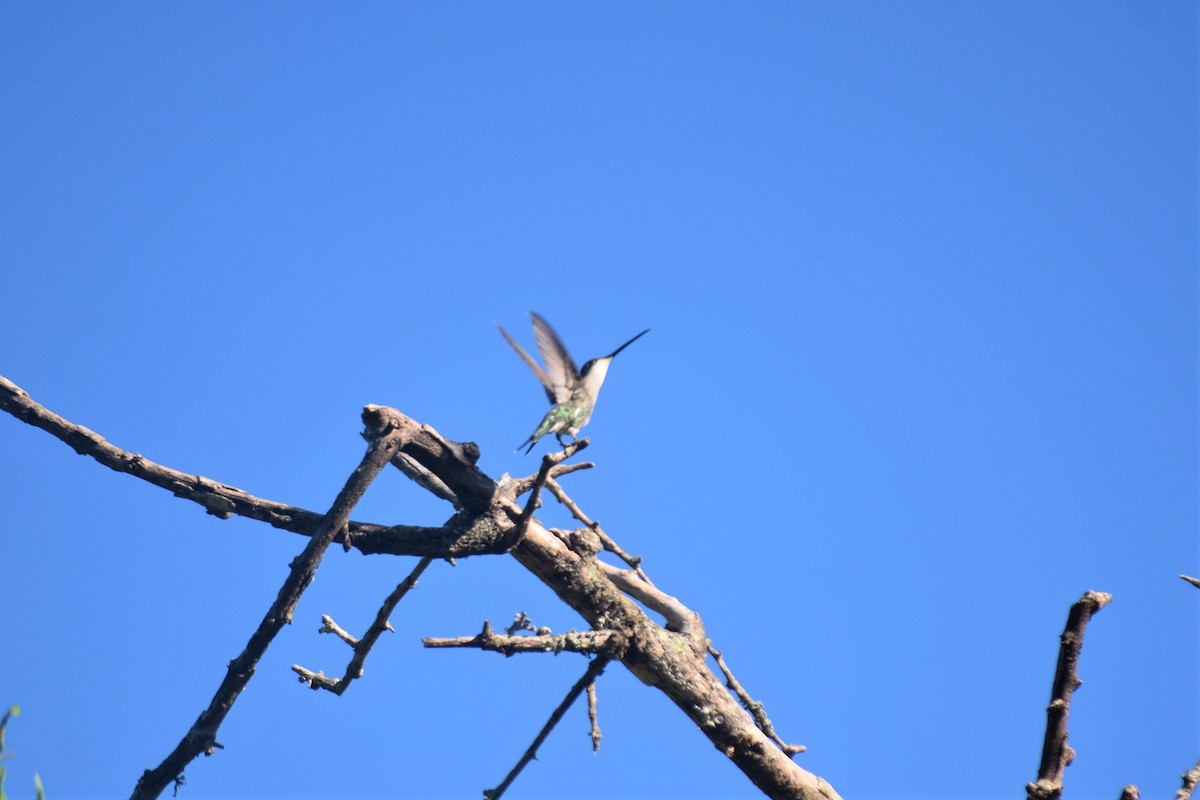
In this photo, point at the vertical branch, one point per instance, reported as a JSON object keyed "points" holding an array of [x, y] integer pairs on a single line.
{"points": [[593, 717], [1056, 753], [202, 736]]}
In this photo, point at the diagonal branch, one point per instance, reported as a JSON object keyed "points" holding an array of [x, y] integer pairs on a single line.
{"points": [[1191, 779], [753, 706], [362, 647], [680, 618], [607, 541], [202, 736], [1056, 753], [594, 670]]}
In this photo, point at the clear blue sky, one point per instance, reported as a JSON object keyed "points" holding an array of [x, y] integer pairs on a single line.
{"points": [[921, 279]]}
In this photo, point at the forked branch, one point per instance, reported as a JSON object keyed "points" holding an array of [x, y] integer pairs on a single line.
{"points": [[202, 736], [594, 670], [673, 660], [362, 647]]}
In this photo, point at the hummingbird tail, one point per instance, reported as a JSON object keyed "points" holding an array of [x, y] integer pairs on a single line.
{"points": [[531, 441]]}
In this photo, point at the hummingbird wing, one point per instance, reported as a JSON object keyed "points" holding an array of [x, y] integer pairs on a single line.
{"points": [[559, 366], [533, 365]]}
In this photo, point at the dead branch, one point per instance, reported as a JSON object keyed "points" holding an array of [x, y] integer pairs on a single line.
{"points": [[202, 736], [522, 485], [362, 647], [1191, 779], [329, 626], [680, 618], [593, 717], [609, 544], [606, 643], [674, 664], [424, 478], [521, 622], [1056, 753], [753, 706], [549, 461], [467, 533], [594, 670], [1193, 581], [1130, 793]]}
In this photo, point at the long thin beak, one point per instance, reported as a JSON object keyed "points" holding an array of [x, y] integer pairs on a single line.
{"points": [[631, 341]]}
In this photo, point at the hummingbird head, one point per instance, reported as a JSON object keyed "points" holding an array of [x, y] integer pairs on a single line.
{"points": [[593, 373]]}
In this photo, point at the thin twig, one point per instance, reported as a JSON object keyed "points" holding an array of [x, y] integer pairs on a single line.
{"points": [[607, 541], [593, 717], [329, 626], [1193, 581], [202, 736], [594, 670], [591, 642], [521, 622], [424, 478], [520, 486], [1056, 753], [755, 708], [549, 461], [362, 647]]}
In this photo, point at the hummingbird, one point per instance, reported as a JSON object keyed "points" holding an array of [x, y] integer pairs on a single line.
{"points": [[572, 392]]}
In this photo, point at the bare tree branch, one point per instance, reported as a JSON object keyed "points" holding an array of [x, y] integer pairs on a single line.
{"points": [[680, 618], [753, 706], [202, 736], [673, 662], [521, 622], [608, 543], [425, 479], [362, 647], [520, 486], [549, 461], [1056, 753], [594, 670], [1130, 793], [329, 626], [593, 717], [467, 533], [1193, 581], [1191, 779], [607, 643]]}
